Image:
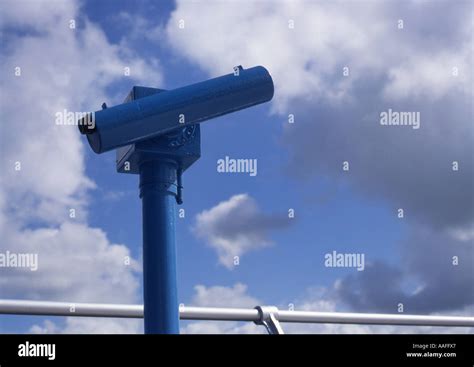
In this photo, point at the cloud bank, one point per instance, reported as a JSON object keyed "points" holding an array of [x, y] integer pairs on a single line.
{"points": [[49, 67], [337, 66]]}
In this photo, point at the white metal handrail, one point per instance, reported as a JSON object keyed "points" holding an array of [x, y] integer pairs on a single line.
{"points": [[264, 315]]}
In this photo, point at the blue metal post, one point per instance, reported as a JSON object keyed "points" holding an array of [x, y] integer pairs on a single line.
{"points": [[158, 194]]}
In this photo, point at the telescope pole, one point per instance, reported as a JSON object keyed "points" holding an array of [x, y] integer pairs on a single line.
{"points": [[158, 193]]}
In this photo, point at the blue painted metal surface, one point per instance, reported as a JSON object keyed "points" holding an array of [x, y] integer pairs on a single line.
{"points": [[159, 113], [153, 142], [158, 191], [182, 144]]}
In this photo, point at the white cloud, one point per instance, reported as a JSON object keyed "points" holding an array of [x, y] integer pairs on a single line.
{"points": [[307, 62], [220, 296], [431, 76], [76, 263], [61, 68], [37, 15], [463, 234], [220, 35], [235, 227]]}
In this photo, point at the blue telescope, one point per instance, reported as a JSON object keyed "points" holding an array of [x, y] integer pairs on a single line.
{"points": [[157, 136], [163, 112]]}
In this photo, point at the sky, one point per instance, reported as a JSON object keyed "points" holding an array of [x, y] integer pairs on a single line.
{"points": [[331, 177]]}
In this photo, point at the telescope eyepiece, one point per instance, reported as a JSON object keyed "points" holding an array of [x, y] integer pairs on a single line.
{"points": [[86, 124]]}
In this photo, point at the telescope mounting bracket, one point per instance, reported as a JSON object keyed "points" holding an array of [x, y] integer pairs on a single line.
{"points": [[181, 145]]}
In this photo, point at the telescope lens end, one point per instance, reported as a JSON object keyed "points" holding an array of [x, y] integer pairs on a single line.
{"points": [[86, 124]]}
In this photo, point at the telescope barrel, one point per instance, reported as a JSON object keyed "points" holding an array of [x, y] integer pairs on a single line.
{"points": [[162, 112]]}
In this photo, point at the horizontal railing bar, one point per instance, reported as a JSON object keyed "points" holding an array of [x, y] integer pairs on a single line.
{"points": [[22, 307], [373, 318], [47, 308], [219, 314]]}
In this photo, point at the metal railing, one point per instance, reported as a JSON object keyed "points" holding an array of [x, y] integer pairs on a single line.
{"points": [[268, 316]]}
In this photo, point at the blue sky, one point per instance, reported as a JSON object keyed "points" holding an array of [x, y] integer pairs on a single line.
{"points": [[299, 165]]}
